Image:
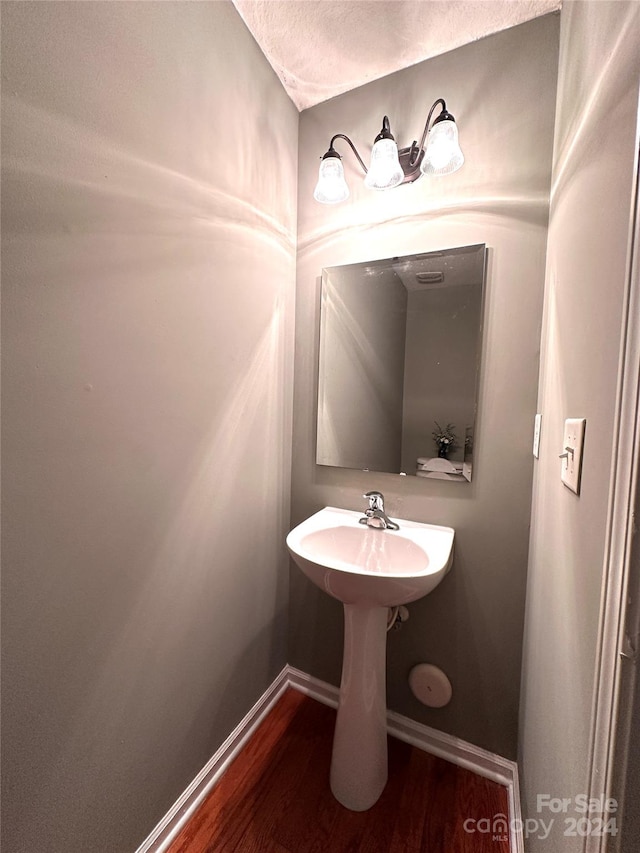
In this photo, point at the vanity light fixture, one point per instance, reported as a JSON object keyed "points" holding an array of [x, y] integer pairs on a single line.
{"points": [[391, 167]]}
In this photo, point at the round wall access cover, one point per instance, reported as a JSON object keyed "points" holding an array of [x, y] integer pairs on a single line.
{"points": [[430, 685]]}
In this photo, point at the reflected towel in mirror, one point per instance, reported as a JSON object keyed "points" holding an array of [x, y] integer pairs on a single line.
{"points": [[439, 475], [437, 463]]}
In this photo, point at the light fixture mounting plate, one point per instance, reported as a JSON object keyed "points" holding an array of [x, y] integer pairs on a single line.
{"points": [[411, 170]]}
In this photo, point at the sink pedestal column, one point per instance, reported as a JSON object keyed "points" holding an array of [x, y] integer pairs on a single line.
{"points": [[359, 760]]}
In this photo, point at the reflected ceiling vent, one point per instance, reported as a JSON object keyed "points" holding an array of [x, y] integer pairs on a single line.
{"points": [[429, 279]]}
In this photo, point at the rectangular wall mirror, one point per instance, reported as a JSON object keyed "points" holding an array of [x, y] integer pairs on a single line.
{"points": [[400, 343]]}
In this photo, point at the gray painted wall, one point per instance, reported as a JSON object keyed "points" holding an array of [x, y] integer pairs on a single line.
{"points": [[585, 281], [502, 92], [148, 275]]}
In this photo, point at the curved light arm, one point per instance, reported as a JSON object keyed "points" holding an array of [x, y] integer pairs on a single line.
{"points": [[353, 148], [416, 152]]}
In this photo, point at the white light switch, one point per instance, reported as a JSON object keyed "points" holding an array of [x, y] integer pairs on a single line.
{"points": [[536, 436], [571, 455]]}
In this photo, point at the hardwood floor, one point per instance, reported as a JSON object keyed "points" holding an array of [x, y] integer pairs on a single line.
{"points": [[275, 798]]}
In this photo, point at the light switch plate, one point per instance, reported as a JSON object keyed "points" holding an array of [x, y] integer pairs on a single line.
{"points": [[571, 455], [536, 436]]}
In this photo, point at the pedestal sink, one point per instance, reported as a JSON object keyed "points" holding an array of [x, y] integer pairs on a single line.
{"points": [[368, 570]]}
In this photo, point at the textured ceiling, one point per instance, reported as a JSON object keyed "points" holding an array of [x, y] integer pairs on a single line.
{"points": [[321, 48]]}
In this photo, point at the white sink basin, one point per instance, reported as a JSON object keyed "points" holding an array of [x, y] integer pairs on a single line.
{"points": [[369, 570], [363, 565]]}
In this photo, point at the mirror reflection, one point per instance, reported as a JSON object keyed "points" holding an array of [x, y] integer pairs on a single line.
{"points": [[399, 360]]}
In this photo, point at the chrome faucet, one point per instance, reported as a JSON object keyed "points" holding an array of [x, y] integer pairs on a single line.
{"points": [[375, 516]]}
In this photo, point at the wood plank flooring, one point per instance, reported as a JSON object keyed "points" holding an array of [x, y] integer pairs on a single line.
{"points": [[275, 798]]}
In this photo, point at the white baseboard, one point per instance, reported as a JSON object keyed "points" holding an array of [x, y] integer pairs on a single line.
{"points": [[186, 804], [452, 749], [464, 754]]}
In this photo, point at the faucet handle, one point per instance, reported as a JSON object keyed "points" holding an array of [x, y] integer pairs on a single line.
{"points": [[376, 500]]}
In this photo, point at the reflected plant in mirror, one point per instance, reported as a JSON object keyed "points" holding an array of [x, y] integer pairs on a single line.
{"points": [[445, 439], [400, 343]]}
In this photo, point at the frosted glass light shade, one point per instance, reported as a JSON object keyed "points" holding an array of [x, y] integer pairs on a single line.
{"points": [[331, 187], [443, 155], [385, 170]]}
